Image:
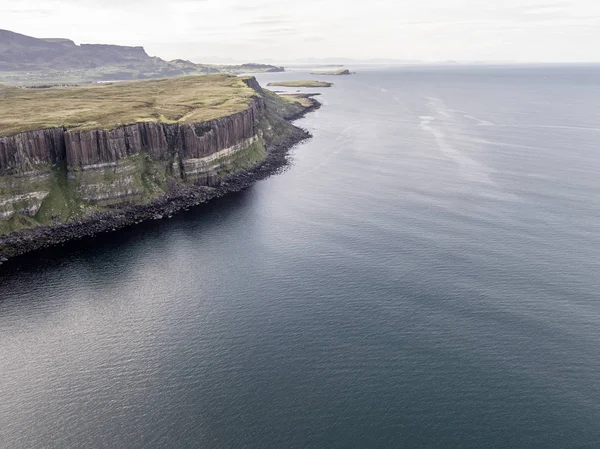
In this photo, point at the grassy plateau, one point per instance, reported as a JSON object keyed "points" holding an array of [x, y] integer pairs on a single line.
{"points": [[189, 99]]}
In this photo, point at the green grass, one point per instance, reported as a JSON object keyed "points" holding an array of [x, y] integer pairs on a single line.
{"points": [[106, 106], [243, 160], [283, 105], [305, 101], [333, 72], [60, 204], [301, 83], [16, 223], [65, 200]]}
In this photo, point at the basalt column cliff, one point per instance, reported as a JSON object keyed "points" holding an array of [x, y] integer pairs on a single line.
{"points": [[60, 183]]}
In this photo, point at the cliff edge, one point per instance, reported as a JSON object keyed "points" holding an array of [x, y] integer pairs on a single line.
{"points": [[95, 173]]}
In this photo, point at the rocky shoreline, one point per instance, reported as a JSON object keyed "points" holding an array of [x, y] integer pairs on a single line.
{"points": [[179, 197]]}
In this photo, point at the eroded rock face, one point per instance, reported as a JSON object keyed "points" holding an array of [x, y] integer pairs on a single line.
{"points": [[27, 204], [24, 153], [57, 185], [43, 210], [207, 138], [128, 164], [99, 147]]}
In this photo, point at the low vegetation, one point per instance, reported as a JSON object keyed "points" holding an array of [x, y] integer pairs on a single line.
{"points": [[333, 72], [301, 83], [107, 106], [305, 100]]}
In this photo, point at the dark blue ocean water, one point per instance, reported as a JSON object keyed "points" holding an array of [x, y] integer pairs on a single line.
{"points": [[426, 274]]}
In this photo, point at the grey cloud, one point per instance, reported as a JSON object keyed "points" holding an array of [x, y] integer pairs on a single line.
{"points": [[427, 29]]}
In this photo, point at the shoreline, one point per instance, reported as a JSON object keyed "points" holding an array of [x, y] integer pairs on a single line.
{"points": [[180, 198]]}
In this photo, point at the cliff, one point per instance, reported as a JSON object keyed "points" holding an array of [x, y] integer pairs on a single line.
{"points": [[60, 183]]}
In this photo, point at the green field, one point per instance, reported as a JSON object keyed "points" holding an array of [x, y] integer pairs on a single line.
{"points": [[190, 99], [301, 83]]}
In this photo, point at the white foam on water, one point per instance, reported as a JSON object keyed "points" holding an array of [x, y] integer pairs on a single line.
{"points": [[478, 121], [575, 128], [446, 130]]}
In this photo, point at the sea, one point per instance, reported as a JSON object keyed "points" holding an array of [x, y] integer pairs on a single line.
{"points": [[425, 274]]}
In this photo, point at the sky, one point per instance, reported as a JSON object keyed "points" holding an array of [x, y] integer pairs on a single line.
{"points": [[283, 30]]}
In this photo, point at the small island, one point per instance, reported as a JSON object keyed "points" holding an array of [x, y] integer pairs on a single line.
{"points": [[305, 100], [301, 83], [333, 72]]}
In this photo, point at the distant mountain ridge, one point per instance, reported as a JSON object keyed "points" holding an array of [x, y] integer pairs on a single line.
{"points": [[30, 59], [17, 50]]}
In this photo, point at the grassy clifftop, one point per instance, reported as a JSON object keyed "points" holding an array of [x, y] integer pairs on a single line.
{"points": [[121, 179], [105, 106]]}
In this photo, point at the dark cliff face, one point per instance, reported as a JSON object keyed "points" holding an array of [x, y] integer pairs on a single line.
{"points": [[23, 152], [253, 84], [58, 184], [56, 175], [210, 137]]}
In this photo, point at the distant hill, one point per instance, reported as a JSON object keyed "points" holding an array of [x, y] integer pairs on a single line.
{"points": [[27, 60], [19, 51]]}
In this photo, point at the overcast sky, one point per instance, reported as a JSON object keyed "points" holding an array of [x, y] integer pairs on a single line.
{"points": [[254, 30]]}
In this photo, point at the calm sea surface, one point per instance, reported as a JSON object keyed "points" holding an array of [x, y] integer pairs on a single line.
{"points": [[426, 274]]}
